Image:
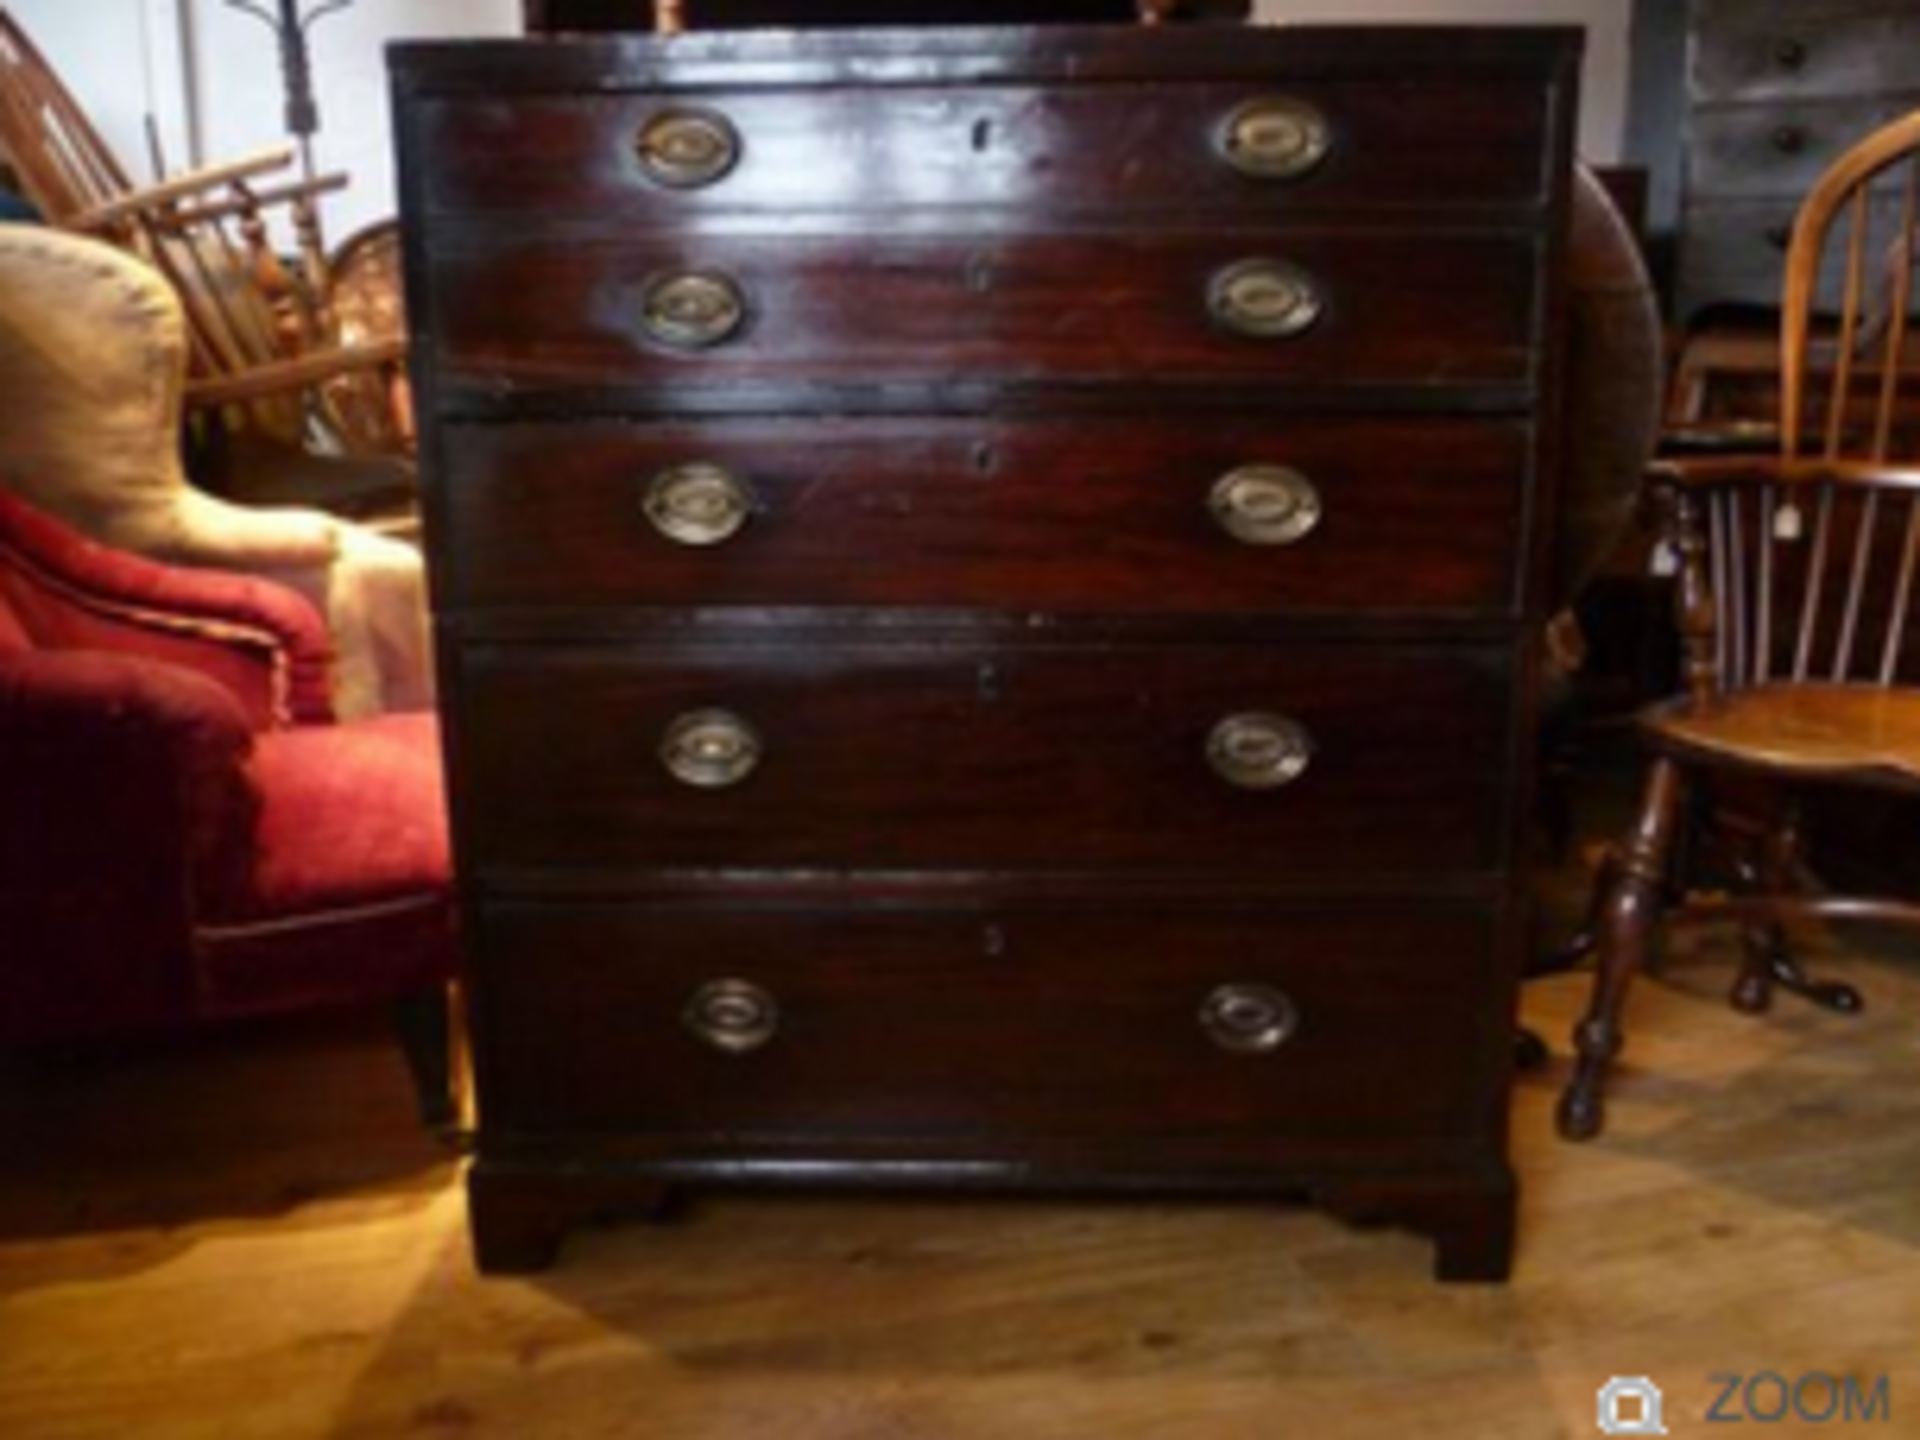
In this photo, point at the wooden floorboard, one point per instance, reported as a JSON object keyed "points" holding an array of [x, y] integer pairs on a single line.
{"points": [[246, 1236]]}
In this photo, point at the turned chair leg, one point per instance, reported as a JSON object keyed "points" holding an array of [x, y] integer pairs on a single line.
{"points": [[1765, 867], [1769, 962], [1628, 918], [1530, 1050], [1585, 940], [428, 1028]]}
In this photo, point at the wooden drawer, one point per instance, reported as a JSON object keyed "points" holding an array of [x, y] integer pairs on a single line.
{"points": [[1432, 311], [1139, 516], [1752, 50], [930, 1028], [980, 150], [1732, 252], [898, 757], [1735, 251], [1774, 152]]}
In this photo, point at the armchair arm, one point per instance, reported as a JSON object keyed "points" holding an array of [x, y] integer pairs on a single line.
{"points": [[125, 804], [264, 643]]}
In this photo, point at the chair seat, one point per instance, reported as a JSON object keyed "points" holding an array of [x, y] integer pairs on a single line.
{"points": [[351, 841], [352, 816], [1819, 732]]}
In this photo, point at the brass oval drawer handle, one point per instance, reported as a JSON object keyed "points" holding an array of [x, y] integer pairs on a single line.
{"points": [[710, 749], [699, 504], [693, 309], [686, 149], [1266, 505], [1265, 299], [1249, 1019], [1276, 138], [1259, 751], [735, 1017]]}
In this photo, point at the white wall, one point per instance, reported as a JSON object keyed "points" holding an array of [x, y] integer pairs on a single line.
{"points": [[240, 100], [101, 49], [210, 75], [1603, 85]]}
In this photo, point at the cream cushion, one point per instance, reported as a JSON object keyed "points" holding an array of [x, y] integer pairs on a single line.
{"points": [[93, 357]]}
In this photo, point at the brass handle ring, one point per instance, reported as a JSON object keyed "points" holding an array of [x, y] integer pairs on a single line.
{"points": [[699, 504], [692, 309], [1249, 1019], [1276, 138], [686, 149], [735, 1017], [1259, 751], [710, 749], [1265, 300], [1265, 505]]}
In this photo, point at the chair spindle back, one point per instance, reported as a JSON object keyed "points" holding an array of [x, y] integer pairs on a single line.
{"points": [[1811, 564]]}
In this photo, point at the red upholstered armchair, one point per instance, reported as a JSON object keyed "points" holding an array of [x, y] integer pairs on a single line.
{"points": [[185, 833]]}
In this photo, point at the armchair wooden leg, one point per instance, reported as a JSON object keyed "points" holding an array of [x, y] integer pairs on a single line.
{"points": [[428, 1028], [1627, 922]]}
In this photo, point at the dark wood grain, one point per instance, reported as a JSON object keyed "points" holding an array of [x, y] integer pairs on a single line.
{"points": [[1036, 150], [901, 757], [945, 1029], [1049, 515], [1545, 56], [1439, 310]]}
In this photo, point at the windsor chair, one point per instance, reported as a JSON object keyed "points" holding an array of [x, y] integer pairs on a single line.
{"points": [[1796, 587]]}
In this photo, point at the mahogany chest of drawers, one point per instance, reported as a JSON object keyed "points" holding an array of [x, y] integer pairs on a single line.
{"points": [[987, 587]]}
